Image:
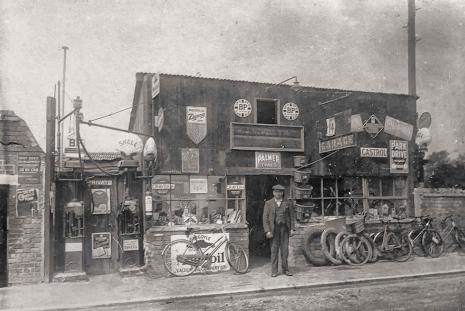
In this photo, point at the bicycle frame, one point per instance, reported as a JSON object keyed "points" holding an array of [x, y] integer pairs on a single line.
{"points": [[425, 228], [208, 253]]}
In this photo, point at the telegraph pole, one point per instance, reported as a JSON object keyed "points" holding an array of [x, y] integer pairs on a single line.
{"points": [[49, 180], [65, 49], [412, 88]]}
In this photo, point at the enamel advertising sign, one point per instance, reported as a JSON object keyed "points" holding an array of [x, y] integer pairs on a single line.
{"points": [[398, 154], [398, 128], [267, 160], [196, 123]]}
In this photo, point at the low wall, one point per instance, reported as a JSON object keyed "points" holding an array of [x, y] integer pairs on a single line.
{"points": [[156, 238], [440, 203]]}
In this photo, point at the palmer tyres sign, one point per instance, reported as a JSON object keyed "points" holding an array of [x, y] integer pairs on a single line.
{"points": [[267, 160]]}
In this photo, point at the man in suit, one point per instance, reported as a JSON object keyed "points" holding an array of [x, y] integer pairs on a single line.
{"points": [[278, 223]]}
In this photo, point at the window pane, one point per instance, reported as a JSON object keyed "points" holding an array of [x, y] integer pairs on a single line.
{"points": [[373, 187], [329, 188], [387, 187], [400, 186], [350, 187]]}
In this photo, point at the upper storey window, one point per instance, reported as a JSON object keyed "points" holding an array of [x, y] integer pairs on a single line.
{"points": [[267, 111]]}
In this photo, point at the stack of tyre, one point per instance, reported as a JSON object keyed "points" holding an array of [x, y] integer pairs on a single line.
{"points": [[303, 194]]}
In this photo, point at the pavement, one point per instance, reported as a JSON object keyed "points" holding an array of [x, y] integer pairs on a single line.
{"points": [[112, 289]]}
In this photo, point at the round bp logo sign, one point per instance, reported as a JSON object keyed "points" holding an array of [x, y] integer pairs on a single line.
{"points": [[242, 108], [290, 111]]}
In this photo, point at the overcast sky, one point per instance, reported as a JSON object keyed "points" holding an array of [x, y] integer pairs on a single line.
{"points": [[348, 44]]}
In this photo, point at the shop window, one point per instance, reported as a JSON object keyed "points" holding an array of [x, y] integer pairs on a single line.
{"points": [[267, 111], [181, 200]]}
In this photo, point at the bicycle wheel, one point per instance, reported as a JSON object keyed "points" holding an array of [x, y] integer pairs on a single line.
{"points": [[356, 250], [460, 238], [337, 244], [403, 249], [375, 252], [181, 257], [237, 258], [417, 244], [433, 243]]}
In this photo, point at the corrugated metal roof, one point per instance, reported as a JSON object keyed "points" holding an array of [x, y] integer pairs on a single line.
{"points": [[303, 87], [103, 156]]}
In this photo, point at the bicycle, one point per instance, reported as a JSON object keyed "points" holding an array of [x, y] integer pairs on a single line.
{"points": [[357, 249], [426, 238], [182, 257], [391, 244], [449, 226]]}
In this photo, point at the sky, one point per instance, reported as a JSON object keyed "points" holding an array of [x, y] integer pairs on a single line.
{"points": [[346, 44]]}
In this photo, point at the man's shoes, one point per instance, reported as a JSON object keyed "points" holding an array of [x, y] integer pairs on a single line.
{"points": [[273, 275], [288, 273]]}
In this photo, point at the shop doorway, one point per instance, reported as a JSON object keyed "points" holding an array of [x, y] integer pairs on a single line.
{"points": [[3, 233], [258, 191]]}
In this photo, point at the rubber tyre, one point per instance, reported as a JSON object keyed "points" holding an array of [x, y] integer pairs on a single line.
{"points": [[404, 252], [170, 261], [433, 243], [356, 250], [460, 238], [237, 258], [312, 247], [337, 244], [327, 242]]}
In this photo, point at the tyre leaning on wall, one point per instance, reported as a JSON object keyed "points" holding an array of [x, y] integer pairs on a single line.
{"points": [[312, 247], [327, 241]]}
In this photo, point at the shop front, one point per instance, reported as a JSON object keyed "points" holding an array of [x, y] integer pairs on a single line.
{"points": [[222, 144]]}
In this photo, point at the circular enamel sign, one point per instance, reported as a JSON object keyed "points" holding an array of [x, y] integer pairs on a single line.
{"points": [[290, 111], [242, 108]]}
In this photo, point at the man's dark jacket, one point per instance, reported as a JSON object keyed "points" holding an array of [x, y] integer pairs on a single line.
{"points": [[270, 211]]}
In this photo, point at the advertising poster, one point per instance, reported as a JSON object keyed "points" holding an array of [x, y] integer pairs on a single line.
{"points": [[190, 160], [398, 155], [100, 201], [198, 185], [203, 241], [196, 123], [101, 245], [26, 202], [267, 160]]}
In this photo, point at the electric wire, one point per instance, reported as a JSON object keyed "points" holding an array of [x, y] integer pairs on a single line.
{"points": [[110, 114]]}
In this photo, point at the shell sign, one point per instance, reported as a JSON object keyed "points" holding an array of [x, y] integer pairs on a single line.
{"points": [[129, 144]]}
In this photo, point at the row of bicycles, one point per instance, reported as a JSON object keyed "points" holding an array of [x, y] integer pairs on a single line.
{"points": [[392, 242]]}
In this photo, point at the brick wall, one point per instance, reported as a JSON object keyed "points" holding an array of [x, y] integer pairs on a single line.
{"points": [[25, 231], [441, 203], [156, 238]]}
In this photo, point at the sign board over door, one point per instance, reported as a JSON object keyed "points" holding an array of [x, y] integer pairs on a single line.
{"points": [[337, 143], [267, 137]]}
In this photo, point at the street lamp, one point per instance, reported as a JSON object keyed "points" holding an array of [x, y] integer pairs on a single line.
{"points": [[295, 85]]}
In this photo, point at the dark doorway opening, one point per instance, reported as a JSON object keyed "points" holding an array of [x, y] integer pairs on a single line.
{"points": [[3, 235], [258, 191]]}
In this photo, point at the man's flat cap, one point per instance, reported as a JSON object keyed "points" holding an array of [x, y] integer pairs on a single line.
{"points": [[278, 187]]}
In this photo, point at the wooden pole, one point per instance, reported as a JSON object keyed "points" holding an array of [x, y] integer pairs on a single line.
{"points": [[49, 176], [412, 88]]}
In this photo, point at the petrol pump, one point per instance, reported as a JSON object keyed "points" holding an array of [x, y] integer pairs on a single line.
{"points": [[74, 236]]}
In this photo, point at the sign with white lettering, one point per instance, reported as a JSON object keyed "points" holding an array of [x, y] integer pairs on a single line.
{"points": [[337, 143], [218, 260], [198, 185], [130, 245], [162, 186], [26, 202], [267, 160], [242, 108], [100, 182], [373, 152], [398, 150], [196, 123], [398, 128]]}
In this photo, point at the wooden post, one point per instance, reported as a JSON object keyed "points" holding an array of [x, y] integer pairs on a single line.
{"points": [[412, 88], [49, 176]]}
